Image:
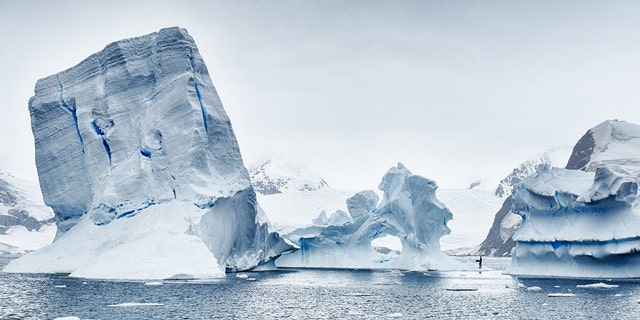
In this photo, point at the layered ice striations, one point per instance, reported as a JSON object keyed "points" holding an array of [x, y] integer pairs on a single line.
{"points": [[134, 130], [409, 210], [583, 222]]}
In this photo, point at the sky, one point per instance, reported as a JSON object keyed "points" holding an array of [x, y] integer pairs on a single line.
{"points": [[457, 91]]}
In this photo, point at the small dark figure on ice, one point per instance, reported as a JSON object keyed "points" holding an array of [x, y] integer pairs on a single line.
{"points": [[479, 261]]}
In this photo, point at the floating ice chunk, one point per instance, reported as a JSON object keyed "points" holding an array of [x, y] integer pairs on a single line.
{"points": [[60, 286], [251, 279], [153, 283], [534, 288], [136, 304], [242, 276], [561, 295], [520, 285], [599, 285], [395, 315], [618, 295], [462, 289]]}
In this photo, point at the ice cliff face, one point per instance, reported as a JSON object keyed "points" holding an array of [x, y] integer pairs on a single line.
{"points": [[136, 135], [277, 175], [499, 240], [25, 222], [583, 221], [408, 210]]}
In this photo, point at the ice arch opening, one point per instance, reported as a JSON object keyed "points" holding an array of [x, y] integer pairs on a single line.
{"points": [[388, 245]]}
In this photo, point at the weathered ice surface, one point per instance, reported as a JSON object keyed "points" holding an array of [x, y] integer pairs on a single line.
{"points": [[583, 223], [409, 210], [134, 130]]}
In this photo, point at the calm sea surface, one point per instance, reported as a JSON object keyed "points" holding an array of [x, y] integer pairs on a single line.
{"points": [[319, 294]]}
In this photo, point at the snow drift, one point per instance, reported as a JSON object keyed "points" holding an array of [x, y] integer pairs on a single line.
{"points": [[138, 160]]}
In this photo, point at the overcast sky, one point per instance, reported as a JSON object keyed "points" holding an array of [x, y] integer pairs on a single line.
{"points": [[457, 91]]}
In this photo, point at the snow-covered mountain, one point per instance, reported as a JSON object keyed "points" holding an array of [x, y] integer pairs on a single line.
{"points": [[498, 241], [279, 175], [25, 222], [583, 221], [554, 157], [293, 195], [138, 160]]}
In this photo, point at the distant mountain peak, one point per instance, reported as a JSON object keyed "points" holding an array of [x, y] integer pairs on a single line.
{"points": [[278, 175], [552, 157]]}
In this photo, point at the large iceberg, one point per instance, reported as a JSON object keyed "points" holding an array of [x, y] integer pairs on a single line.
{"points": [[409, 210], [583, 221], [138, 160]]}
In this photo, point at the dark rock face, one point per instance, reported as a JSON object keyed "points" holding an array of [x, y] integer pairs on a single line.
{"points": [[493, 245], [582, 152]]}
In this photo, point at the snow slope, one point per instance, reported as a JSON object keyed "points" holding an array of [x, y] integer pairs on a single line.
{"points": [[134, 148]]}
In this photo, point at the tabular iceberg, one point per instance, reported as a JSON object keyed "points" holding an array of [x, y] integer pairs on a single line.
{"points": [[409, 210], [138, 160], [583, 221]]}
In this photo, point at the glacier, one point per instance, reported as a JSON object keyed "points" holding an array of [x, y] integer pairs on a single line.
{"points": [[138, 160], [583, 221], [409, 210]]}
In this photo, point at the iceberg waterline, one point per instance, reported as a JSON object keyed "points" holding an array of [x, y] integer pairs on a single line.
{"points": [[138, 159]]}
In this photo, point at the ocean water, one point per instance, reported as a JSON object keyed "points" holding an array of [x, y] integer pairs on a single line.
{"points": [[320, 294]]}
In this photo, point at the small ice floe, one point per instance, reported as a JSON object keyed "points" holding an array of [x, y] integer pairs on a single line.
{"points": [[545, 304], [618, 295], [599, 285], [242, 276], [354, 313], [136, 304], [395, 315], [462, 289], [60, 286], [534, 288], [153, 283], [561, 295], [251, 279], [556, 286], [520, 285], [67, 318]]}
